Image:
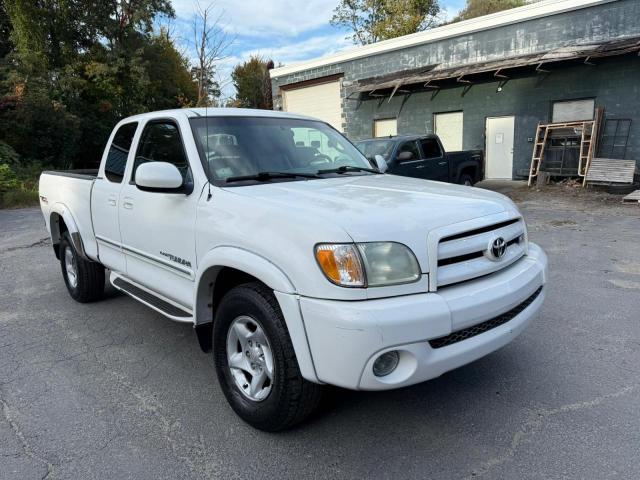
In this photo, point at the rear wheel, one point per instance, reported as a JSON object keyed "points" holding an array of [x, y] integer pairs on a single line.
{"points": [[255, 361], [84, 279]]}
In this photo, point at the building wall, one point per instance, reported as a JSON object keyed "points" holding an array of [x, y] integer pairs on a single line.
{"points": [[615, 86], [614, 83]]}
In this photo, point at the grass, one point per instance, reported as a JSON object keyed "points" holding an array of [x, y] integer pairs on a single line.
{"points": [[19, 198]]}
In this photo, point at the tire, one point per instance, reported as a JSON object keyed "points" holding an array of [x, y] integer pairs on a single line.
{"points": [[466, 179], [285, 398], [88, 284], [622, 189]]}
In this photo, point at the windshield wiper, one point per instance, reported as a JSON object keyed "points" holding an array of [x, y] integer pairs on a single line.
{"points": [[348, 168], [265, 176]]}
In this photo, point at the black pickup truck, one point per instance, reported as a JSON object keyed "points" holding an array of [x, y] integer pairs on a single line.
{"points": [[423, 156]]}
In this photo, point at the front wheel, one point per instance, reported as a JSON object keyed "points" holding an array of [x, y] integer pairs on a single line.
{"points": [[84, 279], [466, 180], [255, 361]]}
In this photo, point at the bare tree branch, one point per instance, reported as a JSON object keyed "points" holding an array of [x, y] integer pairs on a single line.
{"points": [[212, 44]]}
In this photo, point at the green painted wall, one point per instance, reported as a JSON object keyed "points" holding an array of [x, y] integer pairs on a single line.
{"points": [[614, 83]]}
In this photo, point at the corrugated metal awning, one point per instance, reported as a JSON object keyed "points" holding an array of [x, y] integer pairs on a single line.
{"points": [[427, 76]]}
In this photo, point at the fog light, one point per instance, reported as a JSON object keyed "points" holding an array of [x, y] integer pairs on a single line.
{"points": [[386, 363]]}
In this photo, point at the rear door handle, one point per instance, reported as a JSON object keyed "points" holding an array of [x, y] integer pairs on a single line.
{"points": [[112, 200], [419, 166], [442, 163], [127, 202]]}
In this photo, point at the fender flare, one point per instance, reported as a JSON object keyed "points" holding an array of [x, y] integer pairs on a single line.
{"points": [[465, 164], [268, 273], [60, 210], [240, 259]]}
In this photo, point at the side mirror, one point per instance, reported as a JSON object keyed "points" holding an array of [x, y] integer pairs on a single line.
{"points": [[159, 177], [405, 156], [381, 163]]}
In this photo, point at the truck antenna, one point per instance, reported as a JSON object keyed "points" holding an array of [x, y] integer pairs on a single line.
{"points": [[206, 126]]}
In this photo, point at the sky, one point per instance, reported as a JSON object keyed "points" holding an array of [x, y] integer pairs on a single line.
{"points": [[287, 31]]}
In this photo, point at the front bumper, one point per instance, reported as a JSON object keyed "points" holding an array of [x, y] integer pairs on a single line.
{"points": [[345, 338]]}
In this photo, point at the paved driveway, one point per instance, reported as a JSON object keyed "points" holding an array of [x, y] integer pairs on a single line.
{"points": [[113, 390]]}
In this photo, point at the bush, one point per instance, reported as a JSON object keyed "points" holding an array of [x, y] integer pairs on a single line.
{"points": [[8, 179], [19, 198], [8, 155], [17, 192]]}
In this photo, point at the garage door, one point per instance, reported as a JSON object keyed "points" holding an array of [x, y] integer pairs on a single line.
{"points": [[321, 101], [448, 126]]}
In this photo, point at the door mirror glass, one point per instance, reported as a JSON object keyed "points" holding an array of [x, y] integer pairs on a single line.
{"points": [[159, 177], [380, 163], [405, 156]]}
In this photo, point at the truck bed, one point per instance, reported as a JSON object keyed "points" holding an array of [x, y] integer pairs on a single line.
{"points": [[67, 194]]}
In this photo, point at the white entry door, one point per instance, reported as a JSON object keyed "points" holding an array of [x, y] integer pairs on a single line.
{"points": [[499, 147]]}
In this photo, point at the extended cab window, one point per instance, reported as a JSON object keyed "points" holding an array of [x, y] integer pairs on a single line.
{"points": [[161, 142], [430, 148], [412, 149], [118, 152]]}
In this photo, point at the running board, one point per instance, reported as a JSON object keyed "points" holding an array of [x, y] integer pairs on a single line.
{"points": [[153, 300]]}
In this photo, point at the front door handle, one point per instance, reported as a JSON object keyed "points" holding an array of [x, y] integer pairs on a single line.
{"points": [[442, 163], [419, 166], [127, 203], [111, 200]]}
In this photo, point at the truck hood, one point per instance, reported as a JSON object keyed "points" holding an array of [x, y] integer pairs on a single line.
{"points": [[379, 207]]}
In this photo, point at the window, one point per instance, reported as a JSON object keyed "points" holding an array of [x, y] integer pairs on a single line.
{"points": [[161, 142], [430, 148], [385, 128], [573, 110], [411, 147], [268, 144], [448, 126], [118, 152]]}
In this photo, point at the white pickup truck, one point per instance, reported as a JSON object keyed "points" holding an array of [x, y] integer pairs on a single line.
{"points": [[298, 263]]}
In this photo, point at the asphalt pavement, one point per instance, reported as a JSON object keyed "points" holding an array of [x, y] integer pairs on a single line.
{"points": [[113, 390]]}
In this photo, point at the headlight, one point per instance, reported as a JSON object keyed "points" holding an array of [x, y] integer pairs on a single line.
{"points": [[372, 264]]}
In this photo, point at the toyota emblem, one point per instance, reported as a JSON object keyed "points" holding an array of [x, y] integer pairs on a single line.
{"points": [[497, 248]]}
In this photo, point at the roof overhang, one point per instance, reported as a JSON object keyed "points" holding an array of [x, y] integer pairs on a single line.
{"points": [[433, 76]]}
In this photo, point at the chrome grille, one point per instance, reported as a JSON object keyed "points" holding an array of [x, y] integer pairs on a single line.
{"points": [[465, 255]]}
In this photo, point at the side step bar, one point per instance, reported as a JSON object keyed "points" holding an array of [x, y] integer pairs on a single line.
{"points": [[162, 305]]}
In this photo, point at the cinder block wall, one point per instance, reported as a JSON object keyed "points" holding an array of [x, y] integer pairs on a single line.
{"points": [[614, 82]]}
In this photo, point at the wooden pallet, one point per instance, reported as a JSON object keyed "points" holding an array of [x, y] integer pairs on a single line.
{"points": [[607, 171], [633, 197]]}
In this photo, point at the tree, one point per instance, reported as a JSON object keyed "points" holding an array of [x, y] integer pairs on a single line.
{"points": [[374, 20], [253, 84], [211, 44], [76, 67], [477, 8], [5, 32]]}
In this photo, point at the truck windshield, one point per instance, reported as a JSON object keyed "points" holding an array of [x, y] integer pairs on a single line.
{"points": [[248, 146], [371, 148]]}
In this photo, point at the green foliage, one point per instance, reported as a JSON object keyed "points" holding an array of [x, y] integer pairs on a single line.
{"points": [[8, 155], [8, 179], [72, 68], [19, 198], [252, 82], [477, 8], [375, 20], [18, 181]]}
